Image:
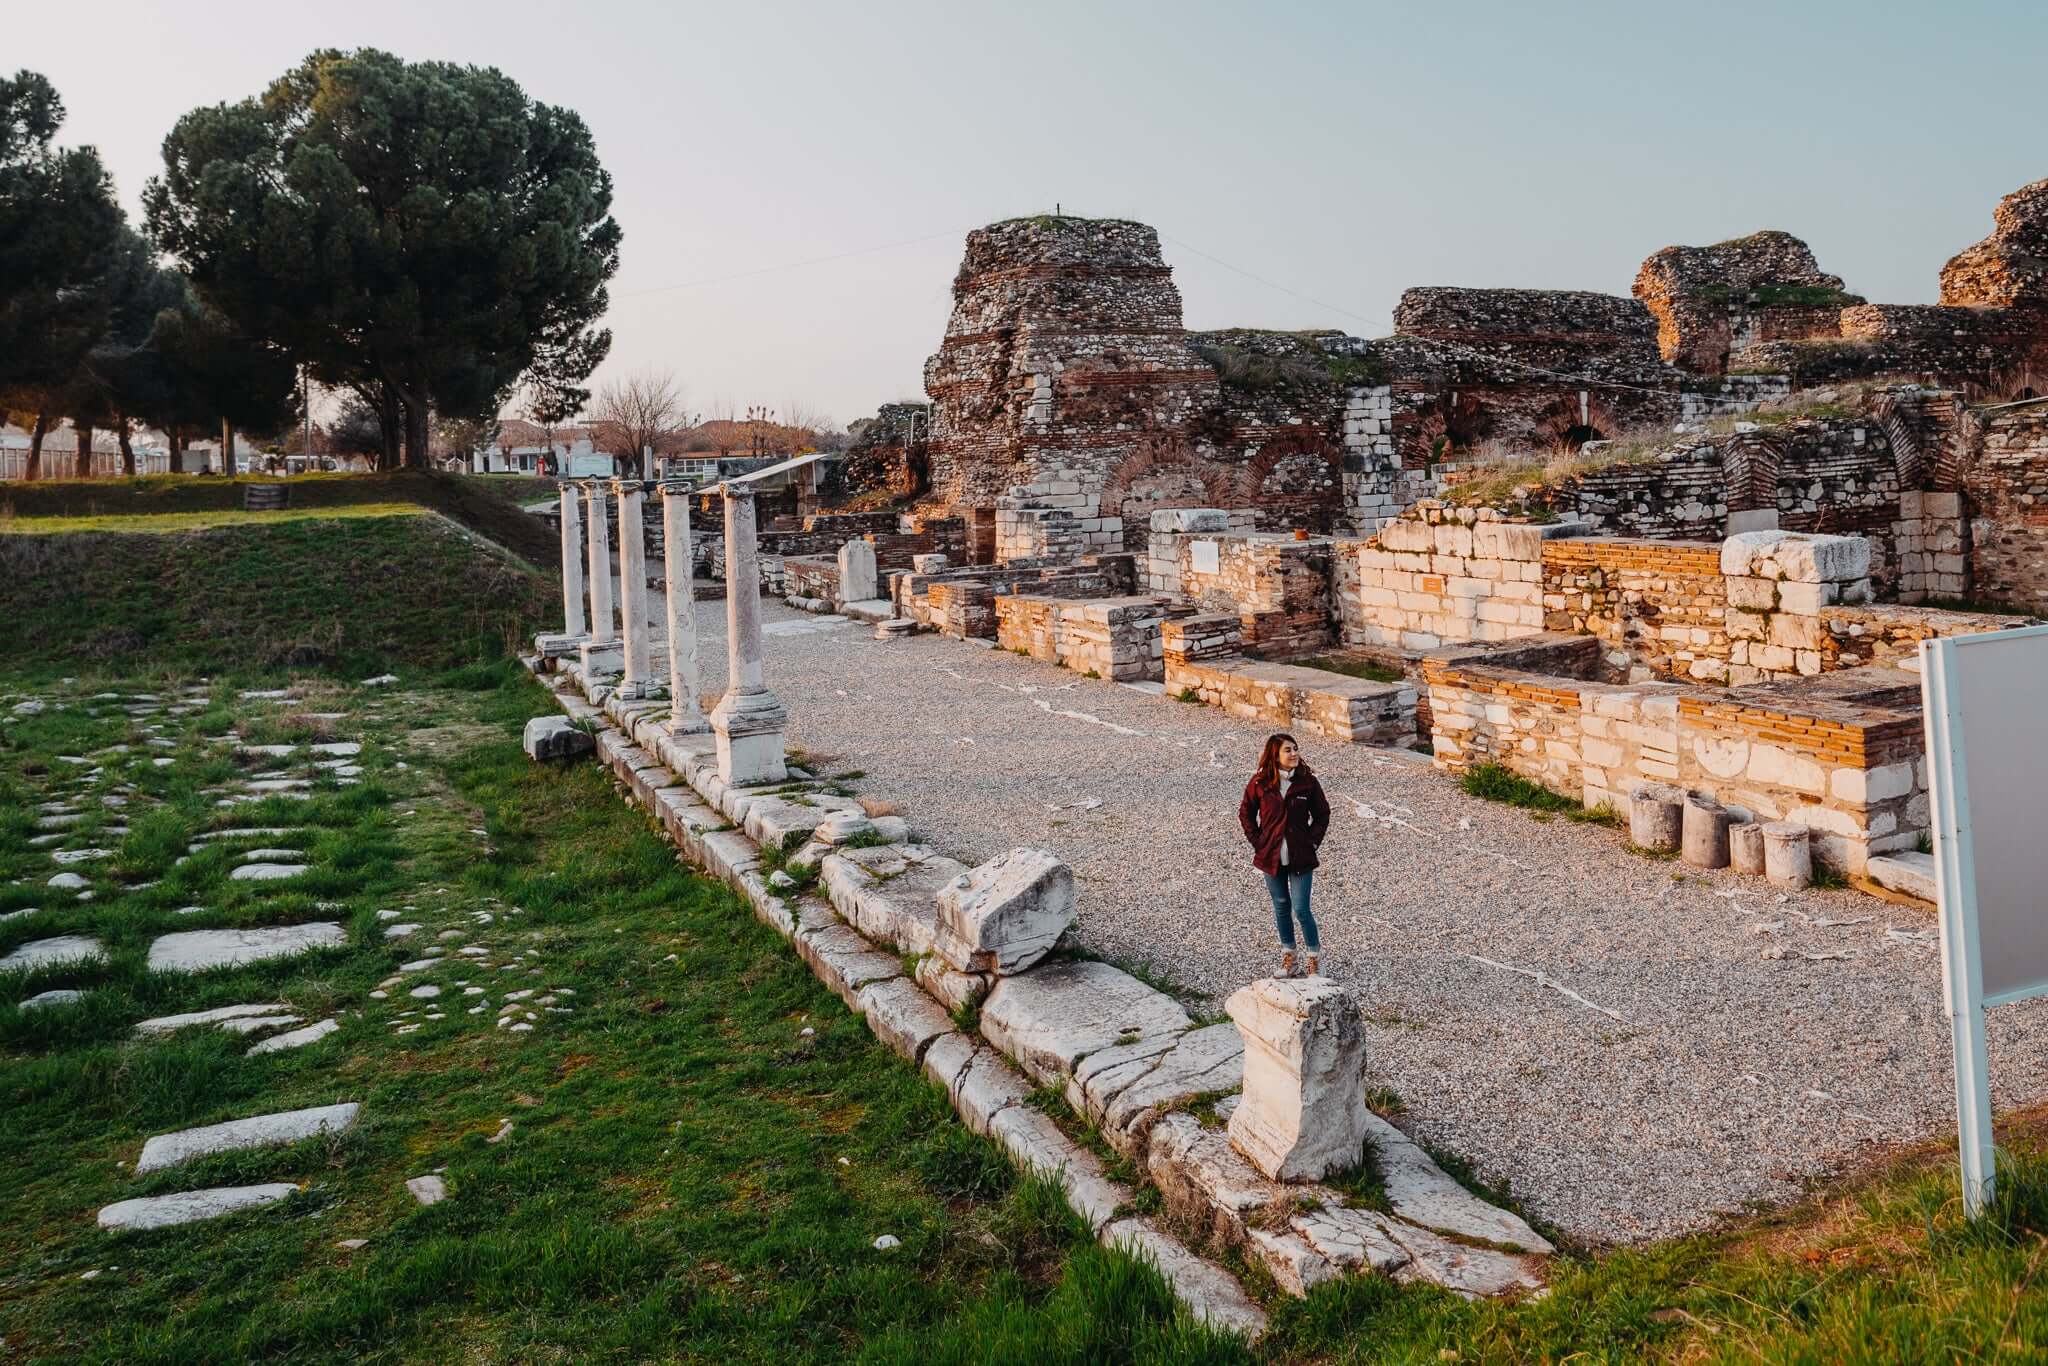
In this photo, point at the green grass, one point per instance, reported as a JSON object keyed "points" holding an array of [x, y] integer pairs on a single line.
{"points": [[161, 523], [354, 590], [1352, 667], [689, 1175], [488, 505], [1499, 783]]}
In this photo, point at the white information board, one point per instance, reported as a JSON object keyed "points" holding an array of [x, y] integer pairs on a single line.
{"points": [[1987, 756]]}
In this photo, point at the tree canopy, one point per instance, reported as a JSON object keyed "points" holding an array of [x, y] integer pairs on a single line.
{"points": [[420, 231], [60, 244]]}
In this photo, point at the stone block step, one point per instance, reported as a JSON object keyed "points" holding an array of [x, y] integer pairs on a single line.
{"points": [[258, 1131], [185, 1207]]}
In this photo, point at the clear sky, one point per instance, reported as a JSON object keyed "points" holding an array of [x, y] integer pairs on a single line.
{"points": [[1342, 152]]}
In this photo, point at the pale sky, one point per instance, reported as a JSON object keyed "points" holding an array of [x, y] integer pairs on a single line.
{"points": [[1339, 152]]}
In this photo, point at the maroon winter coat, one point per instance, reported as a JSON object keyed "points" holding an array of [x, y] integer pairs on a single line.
{"points": [[1301, 825]]}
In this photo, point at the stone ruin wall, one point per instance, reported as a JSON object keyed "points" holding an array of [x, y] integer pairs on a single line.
{"points": [[2005, 485], [1714, 305]]}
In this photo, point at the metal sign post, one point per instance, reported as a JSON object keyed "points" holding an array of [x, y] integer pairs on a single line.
{"points": [[1987, 749]]}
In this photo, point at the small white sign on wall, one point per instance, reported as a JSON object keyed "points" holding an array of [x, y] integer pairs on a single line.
{"points": [[1203, 557], [1987, 750]]}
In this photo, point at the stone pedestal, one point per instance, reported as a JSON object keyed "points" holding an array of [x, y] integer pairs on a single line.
{"points": [[1788, 855], [1303, 1115], [573, 623], [1656, 817], [749, 718], [637, 678], [686, 714], [1704, 837], [1746, 848], [857, 581], [601, 629]]}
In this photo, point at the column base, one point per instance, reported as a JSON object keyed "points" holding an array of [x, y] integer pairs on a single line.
{"points": [[695, 725], [558, 645], [602, 659], [749, 730]]}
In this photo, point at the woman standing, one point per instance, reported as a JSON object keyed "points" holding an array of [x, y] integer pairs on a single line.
{"points": [[1285, 816]]}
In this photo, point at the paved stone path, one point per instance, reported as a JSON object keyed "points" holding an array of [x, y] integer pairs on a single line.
{"points": [[1634, 1048]]}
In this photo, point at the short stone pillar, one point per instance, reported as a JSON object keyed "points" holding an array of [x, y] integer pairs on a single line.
{"points": [[857, 580], [1746, 848], [637, 680], [1655, 817], [1704, 837], [928, 564], [1004, 916], [572, 565], [1788, 855], [685, 713], [601, 630], [748, 720], [1302, 1116]]}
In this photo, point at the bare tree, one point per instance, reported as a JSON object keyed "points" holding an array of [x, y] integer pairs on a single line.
{"points": [[635, 413]]}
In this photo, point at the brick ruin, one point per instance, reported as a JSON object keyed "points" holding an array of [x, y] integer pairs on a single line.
{"points": [[1691, 537]]}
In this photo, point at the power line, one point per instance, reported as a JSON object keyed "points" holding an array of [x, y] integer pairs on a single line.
{"points": [[789, 265]]}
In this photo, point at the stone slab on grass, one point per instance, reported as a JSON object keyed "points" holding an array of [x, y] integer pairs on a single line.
{"points": [[267, 872], [549, 738], [258, 1131], [1037, 1144], [1206, 1182], [43, 1000], [1208, 1290], [200, 950], [61, 951], [297, 1038], [1051, 1017], [903, 1017], [1200, 1062], [987, 1086], [1352, 1239], [1423, 1193], [846, 962], [185, 1207], [1473, 1272], [169, 1024]]}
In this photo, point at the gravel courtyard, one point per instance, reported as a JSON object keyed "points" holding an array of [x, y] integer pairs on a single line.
{"points": [[1720, 1042]]}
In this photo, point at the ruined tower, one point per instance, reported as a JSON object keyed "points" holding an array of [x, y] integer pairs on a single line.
{"points": [[1065, 357], [1713, 304]]}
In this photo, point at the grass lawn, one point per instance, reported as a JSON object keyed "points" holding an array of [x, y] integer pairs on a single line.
{"points": [[358, 589], [703, 1143], [486, 504]]}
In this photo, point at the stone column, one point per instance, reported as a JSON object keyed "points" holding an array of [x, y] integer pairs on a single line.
{"points": [[749, 718], [637, 679], [601, 630], [572, 564], [686, 716]]}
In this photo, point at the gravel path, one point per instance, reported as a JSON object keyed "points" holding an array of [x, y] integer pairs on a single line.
{"points": [[1700, 1078]]}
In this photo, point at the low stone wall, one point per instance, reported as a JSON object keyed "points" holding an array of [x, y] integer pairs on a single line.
{"points": [[1443, 575], [2007, 488], [1354, 710], [1058, 515], [1114, 638], [1278, 586], [1847, 767], [1172, 528], [811, 576], [1101, 577], [1889, 634], [1655, 605]]}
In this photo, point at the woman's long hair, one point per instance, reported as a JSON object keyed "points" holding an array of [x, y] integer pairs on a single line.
{"points": [[1269, 761]]}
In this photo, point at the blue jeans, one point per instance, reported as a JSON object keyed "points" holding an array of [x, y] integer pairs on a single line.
{"points": [[1289, 891]]}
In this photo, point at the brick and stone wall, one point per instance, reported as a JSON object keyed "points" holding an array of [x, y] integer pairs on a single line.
{"points": [[1444, 574], [1846, 767], [2005, 484], [1657, 606], [1114, 638], [1277, 586], [1714, 304]]}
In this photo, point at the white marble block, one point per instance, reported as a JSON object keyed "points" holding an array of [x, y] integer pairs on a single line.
{"points": [[1303, 1116], [857, 579], [1005, 915]]}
